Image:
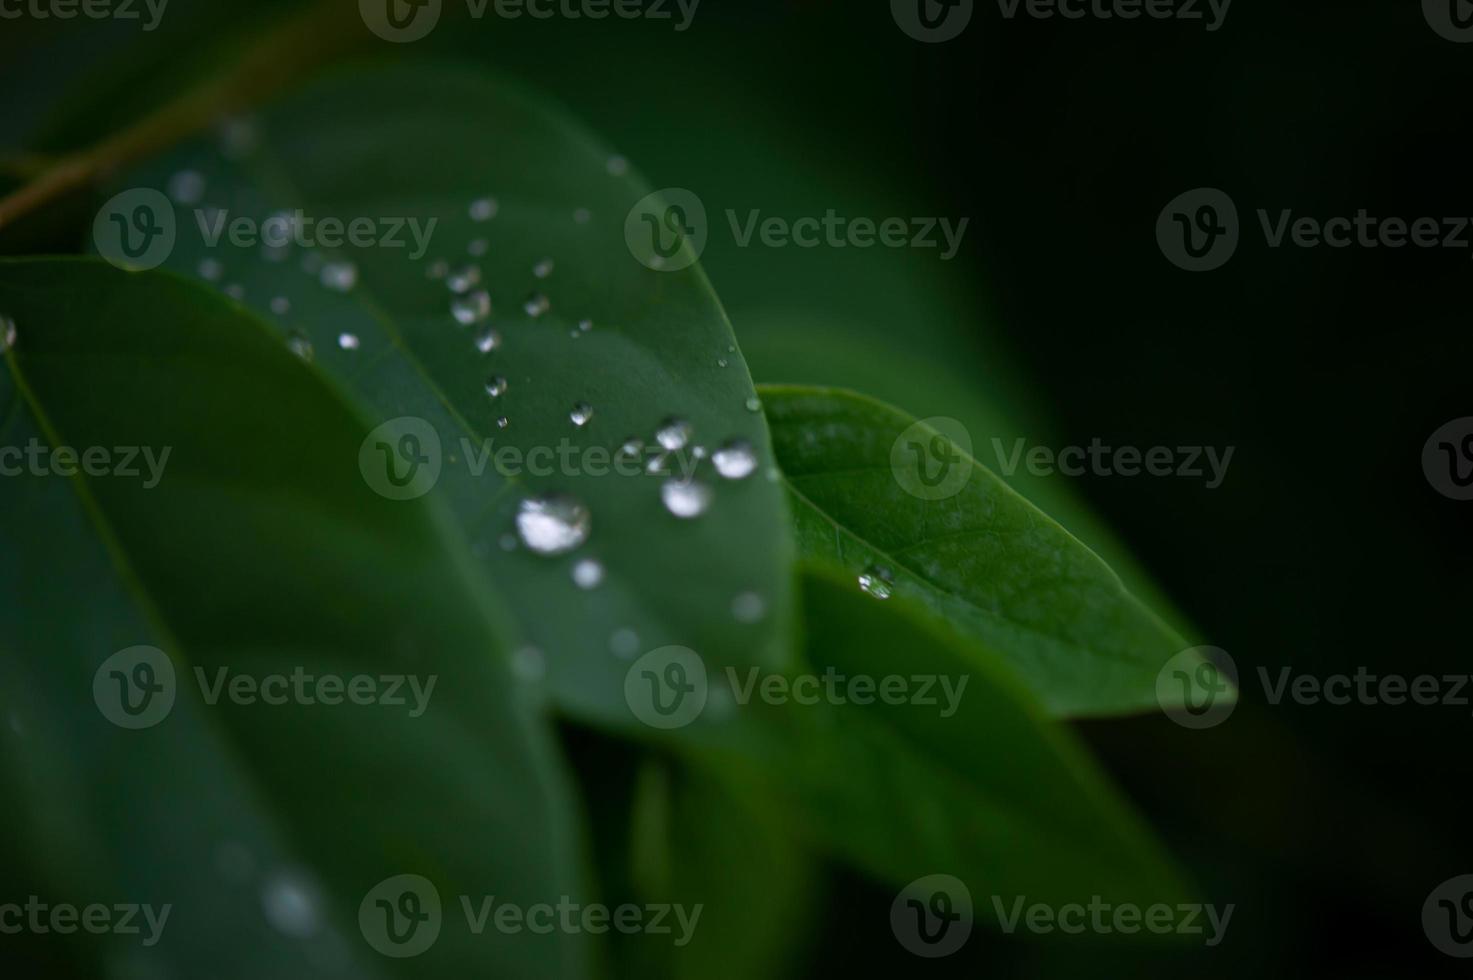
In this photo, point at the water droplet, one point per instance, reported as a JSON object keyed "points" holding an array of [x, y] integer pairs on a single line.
{"points": [[298, 344], [877, 581], [529, 664], [582, 216], [617, 166], [496, 387], [754, 404], [488, 341], [437, 269], [472, 308], [588, 574], [478, 247], [537, 304], [463, 279], [585, 325], [503, 422], [542, 269], [553, 525], [657, 464], [7, 334], [632, 448], [484, 209], [582, 414], [235, 291], [348, 341], [280, 305], [624, 643], [187, 187], [291, 904], [698, 452], [721, 362], [673, 434], [686, 499], [736, 460], [748, 608], [210, 270], [340, 277]]}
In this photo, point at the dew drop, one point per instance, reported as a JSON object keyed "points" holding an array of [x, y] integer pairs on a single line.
{"points": [[312, 263], [624, 643], [235, 291], [673, 434], [210, 270], [632, 448], [280, 305], [496, 387], [553, 525], [537, 304], [877, 581], [7, 334], [299, 345], [484, 209], [291, 905], [472, 308], [754, 404], [617, 166], [503, 422], [187, 187], [721, 362], [736, 460], [348, 341], [478, 247], [488, 341], [582, 414], [657, 464], [437, 269], [684, 499], [462, 279], [748, 607], [588, 574], [340, 277], [542, 269], [585, 325]]}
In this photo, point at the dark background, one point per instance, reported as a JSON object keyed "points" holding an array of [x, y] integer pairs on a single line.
{"points": [[1325, 549]]}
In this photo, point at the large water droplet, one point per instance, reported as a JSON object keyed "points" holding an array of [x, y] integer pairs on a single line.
{"points": [[464, 278], [754, 404], [496, 387], [553, 525], [472, 308], [348, 341], [340, 277], [686, 500], [187, 187], [877, 581], [582, 414], [488, 341], [736, 460], [291, 904], [537, 304], [673, 434], [484, 209], [588, 574]]}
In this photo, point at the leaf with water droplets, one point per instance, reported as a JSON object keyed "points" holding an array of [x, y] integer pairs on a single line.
{"points": [[239, 542], [523, 410]]}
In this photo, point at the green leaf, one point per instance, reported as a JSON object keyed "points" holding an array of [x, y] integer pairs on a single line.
{"points": [[258, 550], [983, 559], [423, 144], [982, 786]]}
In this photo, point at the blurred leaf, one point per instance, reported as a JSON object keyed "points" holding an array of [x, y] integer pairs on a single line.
{"points": [[423, 144], [982, 558], [260, 551]]}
